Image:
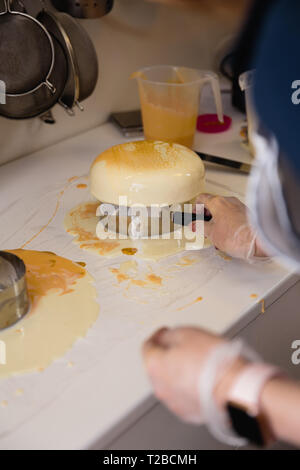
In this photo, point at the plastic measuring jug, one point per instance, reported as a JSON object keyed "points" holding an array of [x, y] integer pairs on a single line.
{"points": [[169, 99]]}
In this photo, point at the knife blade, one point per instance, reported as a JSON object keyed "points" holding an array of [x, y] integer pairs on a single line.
{"points": [[233, 164], [186, 218]]}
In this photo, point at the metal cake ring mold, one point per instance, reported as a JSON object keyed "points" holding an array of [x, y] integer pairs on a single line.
{"points": [[14, 299]]}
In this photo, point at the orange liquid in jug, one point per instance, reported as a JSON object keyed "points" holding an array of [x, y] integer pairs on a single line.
{"points": [[167, 124]]}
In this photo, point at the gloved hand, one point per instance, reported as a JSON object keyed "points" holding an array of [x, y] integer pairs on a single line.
{"points": [[174, 359], [229, 229]]}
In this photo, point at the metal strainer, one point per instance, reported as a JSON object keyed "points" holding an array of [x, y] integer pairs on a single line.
{"points": [[84, 8], [14, 300]]}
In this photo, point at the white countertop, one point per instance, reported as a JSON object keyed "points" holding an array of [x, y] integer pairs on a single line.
{"points": [[107, 387]]}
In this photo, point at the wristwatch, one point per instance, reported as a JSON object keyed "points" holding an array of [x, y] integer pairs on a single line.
{"points": [[243, 404]]}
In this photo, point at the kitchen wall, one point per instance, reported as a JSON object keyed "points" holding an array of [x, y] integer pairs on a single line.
{"points": [[135, 34]]}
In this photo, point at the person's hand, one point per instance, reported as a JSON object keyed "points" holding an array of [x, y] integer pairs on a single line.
{"points": [[174, 359], [229, 229]]}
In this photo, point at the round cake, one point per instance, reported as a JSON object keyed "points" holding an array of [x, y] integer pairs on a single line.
{"points": [[147, 172]]}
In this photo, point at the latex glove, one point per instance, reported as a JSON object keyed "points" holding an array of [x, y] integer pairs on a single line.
{"points": [[173, 359], [229, 229]]}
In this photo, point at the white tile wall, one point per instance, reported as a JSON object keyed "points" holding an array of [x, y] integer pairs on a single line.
{"points": [[135, 34]]}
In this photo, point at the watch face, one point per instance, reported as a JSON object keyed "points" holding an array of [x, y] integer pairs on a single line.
{"points": [[245, 425]]}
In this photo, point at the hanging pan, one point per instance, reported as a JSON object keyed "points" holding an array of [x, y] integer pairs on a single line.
{"points": [[80, 53], [84, 8]]}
